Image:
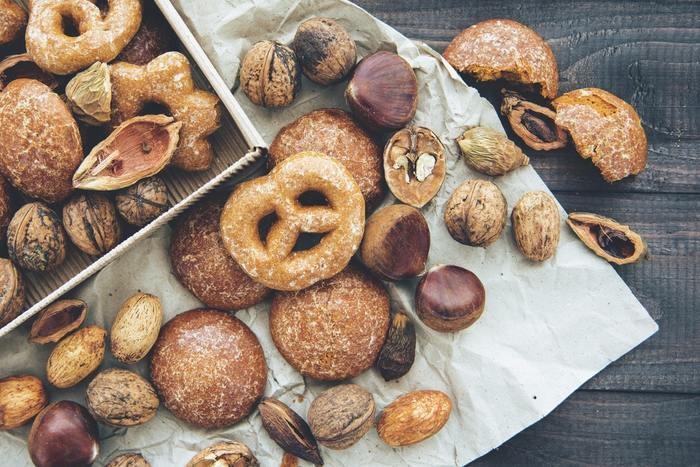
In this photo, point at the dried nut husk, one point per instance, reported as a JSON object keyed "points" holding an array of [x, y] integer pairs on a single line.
{"points": [[399, 350], [57, 320], [89, 94], [76, 356], [414, 417], [136, 327], [35, 238], [490, 152], [289, 430], [325, 50], [340, 416], [476, 213], [143, 201], [11, 291], [535, 220], [22, 66], [121, 398], [129, 460], [91, 223], [270, 74], [138, 148], [414, 165], [535, 124], [224, 454], [609, 239], [21, 398]]}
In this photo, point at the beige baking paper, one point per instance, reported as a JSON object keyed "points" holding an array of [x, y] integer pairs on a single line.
{"points": [[547, 327]]}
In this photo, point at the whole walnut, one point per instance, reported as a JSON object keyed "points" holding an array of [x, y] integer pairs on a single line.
{"points": [[270, 74], [143, 202], [129, 460], [35, 238], [91, 223], [11, 291], [476, 213], [325, 50]]}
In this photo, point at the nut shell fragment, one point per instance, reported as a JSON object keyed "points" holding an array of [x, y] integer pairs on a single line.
{"points": [[476, 213], [340, 416], [490, 152], [121, 398], [75, 357], [289, 430], [19, 66], [533, 123], [138, 148], [57, 320], [21, 398], [612, 241], [414, 417], [224, 454], [35, 238], [536, 220], [91, 223], [11, 291]]}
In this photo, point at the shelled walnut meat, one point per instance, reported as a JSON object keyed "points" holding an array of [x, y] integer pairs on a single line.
{"points": [[91, 223], [35, 238], [143, 201]]}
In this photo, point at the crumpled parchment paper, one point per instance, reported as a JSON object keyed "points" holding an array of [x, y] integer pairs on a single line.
{"points": [[547, 327]]}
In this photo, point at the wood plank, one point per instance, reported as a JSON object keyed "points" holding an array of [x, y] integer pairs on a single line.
{"points": [[609, 428], [646, 52]]}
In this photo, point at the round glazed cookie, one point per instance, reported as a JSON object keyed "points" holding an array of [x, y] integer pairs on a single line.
{"points": [[209, 368], [202, 264], [333, 330], [334, 133]]}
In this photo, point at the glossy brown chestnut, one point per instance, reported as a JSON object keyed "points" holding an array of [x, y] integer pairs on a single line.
{"points": [[64, 433], [449, 298], [383, 92]]}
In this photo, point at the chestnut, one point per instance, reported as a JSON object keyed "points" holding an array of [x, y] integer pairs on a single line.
{"points": [[64, 433], [449, 298], [383, 92], [396, 242]]}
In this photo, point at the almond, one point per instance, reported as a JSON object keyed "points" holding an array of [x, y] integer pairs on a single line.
{"points": [[76, 356], [414, 417], [136, 327]]}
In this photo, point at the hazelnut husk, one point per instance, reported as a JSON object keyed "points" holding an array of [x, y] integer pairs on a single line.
{"points": [[340, 416], [91, 223], [35, 238], [154, 38], [399, 350], [383, 92], [289, 430], [475, 214], [414, 165], [11, 291], [143, 202], [21, 398], [607, 238], [490, 152], [57, 320], [535, 124], [129, 460], [19, 66], [76, 356], [121, 398], [535, 220], [449, 298], [89, 95], [224, 454], [396, 242], [64, 433], [270, 74], [325, 50]]}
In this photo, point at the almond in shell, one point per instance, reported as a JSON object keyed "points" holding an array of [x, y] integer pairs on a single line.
{"points": [[136, 327], [414, 417], [21, 398], [76, 356]]}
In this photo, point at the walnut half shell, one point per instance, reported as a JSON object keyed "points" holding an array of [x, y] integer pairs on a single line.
{"points": [[612, 241]]}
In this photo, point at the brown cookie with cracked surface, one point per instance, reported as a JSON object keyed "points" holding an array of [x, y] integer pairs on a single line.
{"points": [[208, 368], [202, 264], [334, 133], [505, 49], [13, 19], [604, 129], [335, 329]]}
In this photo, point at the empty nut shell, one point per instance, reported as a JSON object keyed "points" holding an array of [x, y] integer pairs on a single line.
{"points": [[270, 74], [383, 92], [396, 242], [11, 291], [535, 220], [340, 416], [414, 165], [325, 50], [35, 238], [22, 66], [476, 213], [121, 398], [289, 430], [224, 454], [57, 320], [399, 350], [612, 241], [490, 152], [21, 398], [91, 223], [135, 328], [129, 460], [414, 417], [76, 356], [535, 124], [143, 202]]}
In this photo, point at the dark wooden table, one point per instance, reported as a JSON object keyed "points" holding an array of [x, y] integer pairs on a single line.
{"points": [[645, 408]]}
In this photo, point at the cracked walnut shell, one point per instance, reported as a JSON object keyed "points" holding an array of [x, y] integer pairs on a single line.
{"points": [[607, 238]]}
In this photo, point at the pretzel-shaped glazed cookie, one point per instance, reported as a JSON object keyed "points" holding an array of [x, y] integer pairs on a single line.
{"points": [[12, 20], [167, 80], [100, 37], [272, 260]]}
